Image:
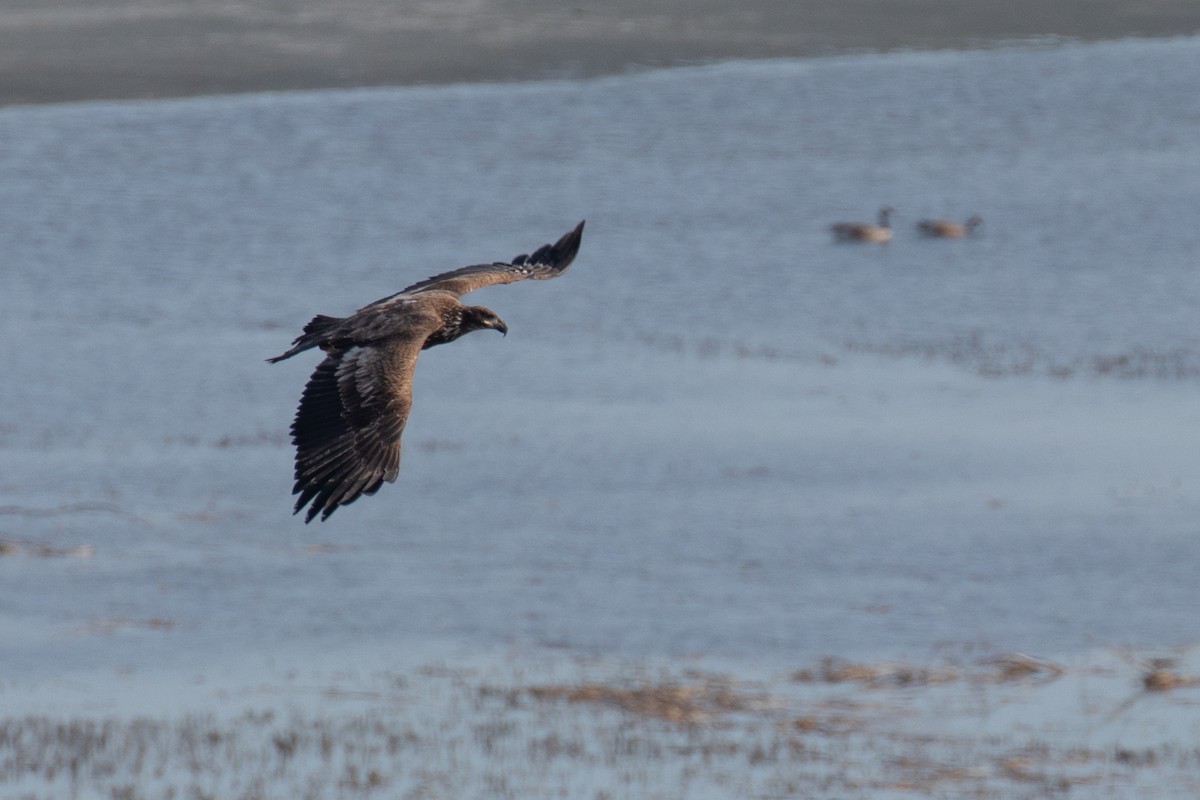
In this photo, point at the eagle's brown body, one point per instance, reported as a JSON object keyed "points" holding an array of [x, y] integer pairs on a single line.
{"points": [[353, 410]]}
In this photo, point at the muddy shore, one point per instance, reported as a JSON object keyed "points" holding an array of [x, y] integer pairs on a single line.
{"points": [[70, 50]]}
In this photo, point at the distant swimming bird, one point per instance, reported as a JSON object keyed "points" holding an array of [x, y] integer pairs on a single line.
{"points": [[353, 410], [949, 229], [864, 231]]}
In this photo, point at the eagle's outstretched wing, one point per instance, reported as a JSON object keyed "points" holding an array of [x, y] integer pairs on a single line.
{"points": [[548, 261], [347, 428]]}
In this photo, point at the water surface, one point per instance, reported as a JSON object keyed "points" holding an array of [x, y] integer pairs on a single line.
{"points": [[718, 434]]}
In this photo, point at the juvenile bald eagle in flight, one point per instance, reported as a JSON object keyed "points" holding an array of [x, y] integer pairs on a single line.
{"points": [[352, 412]]}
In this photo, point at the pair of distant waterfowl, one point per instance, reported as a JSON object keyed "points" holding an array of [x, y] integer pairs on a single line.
{"points": [[882, 231]]}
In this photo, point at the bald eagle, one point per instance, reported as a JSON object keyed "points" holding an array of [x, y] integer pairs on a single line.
{"points": [[352, 412]]}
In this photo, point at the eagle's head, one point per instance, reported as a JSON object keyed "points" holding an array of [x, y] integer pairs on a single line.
{"points": [[460, 319], [477, 317]]}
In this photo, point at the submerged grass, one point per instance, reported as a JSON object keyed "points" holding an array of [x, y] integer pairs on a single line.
{"points": [[996, 727], [991, 669], [673, 702]]}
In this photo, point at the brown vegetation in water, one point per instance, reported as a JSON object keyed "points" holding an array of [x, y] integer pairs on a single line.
{"points": [[673, 702], [839, 729]]}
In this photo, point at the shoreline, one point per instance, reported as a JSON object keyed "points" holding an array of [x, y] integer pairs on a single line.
{"points": [[67, 51]]}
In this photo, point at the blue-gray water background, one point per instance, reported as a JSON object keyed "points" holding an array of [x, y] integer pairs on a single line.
{"points": [[718, 434]]}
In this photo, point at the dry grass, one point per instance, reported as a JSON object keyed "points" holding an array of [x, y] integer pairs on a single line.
{"points": [[110, 625], [1003, 359], [13, 547], [1161, 679], [672, 702], [1020, 667], [840, 729], [992, 669], [1159, 673]]}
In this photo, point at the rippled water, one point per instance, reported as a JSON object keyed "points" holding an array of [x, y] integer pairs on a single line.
{"points": [[718, 433]]}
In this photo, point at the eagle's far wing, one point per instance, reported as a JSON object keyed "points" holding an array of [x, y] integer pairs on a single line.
{"points": [[347, 428], [548, 261]]}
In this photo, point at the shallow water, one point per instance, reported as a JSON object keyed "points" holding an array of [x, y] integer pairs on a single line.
{"points": [[719, 434]]}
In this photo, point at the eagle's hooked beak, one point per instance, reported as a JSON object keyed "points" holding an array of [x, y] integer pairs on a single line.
{"points": [[500, 326]]}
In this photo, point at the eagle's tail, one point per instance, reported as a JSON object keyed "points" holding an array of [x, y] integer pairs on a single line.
{"points": [[314, 332]]}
